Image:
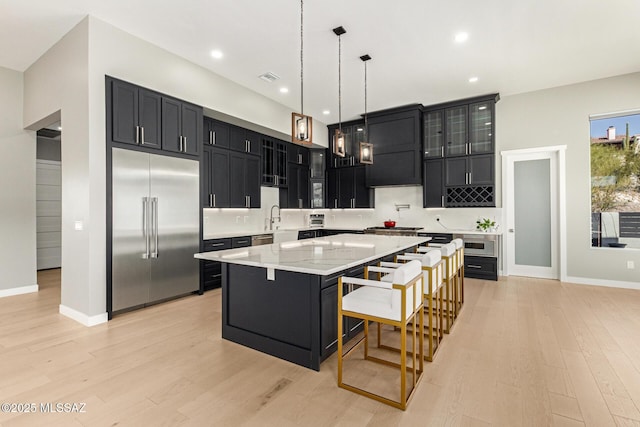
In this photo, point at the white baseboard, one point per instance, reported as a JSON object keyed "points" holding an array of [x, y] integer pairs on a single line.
{"points": [[602, 282], [18, 291], [83, 318]]}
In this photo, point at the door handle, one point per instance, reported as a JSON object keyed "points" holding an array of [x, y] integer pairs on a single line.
{"points": [[247, 201], [137, 134], [180, 149], [210, 200], [154, 213], [214, 200], [185, 144], [145, 226], [212, 137], [142, 135]]}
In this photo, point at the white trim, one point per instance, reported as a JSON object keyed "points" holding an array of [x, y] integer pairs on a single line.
{"points": [[602, 282], [83, 318], [18, 291], [559, 151]]}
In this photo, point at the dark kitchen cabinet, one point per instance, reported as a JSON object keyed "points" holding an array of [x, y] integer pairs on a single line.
{"points": [[347, 188], [433, 183], [215, 177], [458, 146], [470, 170], [481, 267], [181, 126], [433, 134], [274, 162], [318, 185], [244, 140], [244, 180], [298, 154], [210, 271], [298, 189], [136, 115], [397, 146], [215, 133], [329, 314]]}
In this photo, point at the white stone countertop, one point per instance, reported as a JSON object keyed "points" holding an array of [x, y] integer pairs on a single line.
{"points": [[322, 256]]}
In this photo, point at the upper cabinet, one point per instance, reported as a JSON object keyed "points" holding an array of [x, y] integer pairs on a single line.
{"points": [[397, 142], [298, 154], [147, 119], [458, 151], [181, 126], [136, 115], [274, 162], [244, 140], [215, 133]]}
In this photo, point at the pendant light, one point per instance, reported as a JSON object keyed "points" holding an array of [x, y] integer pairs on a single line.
{"points": [[366, 148], [301, 125], [338, 137]]}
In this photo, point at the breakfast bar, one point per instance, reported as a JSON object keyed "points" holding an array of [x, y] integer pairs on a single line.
{"points": [[281, 298]]}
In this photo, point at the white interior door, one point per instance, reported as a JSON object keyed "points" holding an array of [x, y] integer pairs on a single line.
{"points": [[531, 183]]}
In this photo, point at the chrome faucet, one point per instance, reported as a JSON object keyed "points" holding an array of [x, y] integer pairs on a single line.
{"points": [[272, 218]]}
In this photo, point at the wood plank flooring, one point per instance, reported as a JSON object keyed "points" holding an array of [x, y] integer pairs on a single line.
{"points": [[523, 352]]}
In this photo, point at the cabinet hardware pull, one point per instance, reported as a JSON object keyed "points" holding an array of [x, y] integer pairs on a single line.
{"points": [[215, 245], [210, 200], [142, 135], [137, 134], [185, 144], [247, 201], [145, 226], [335, 202], [473, 266], [180, 149], [442, 151], [442, 201], [214, 200], [299, 203], [299, 158], [154, 210]]}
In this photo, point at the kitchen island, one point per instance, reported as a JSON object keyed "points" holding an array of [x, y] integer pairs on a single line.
{"points": [[281, 299]]}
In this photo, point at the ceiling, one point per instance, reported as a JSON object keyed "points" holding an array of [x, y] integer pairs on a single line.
{"points": [[513, 46]]}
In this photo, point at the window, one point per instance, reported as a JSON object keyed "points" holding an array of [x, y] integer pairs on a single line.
{"points": [[615, 180]]}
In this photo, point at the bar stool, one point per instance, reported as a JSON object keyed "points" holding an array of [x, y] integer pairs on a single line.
{"points": [[433, 272], [448, 253], [460, 276], [396, 301]]}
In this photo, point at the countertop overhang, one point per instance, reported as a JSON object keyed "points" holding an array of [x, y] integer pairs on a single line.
{"points": [[321, 256]]}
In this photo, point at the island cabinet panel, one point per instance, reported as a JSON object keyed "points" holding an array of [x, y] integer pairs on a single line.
{"points": [[259, 308], [279, 317]]}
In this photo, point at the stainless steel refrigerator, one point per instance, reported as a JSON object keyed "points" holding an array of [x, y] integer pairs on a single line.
{"points": [[155, 228]]}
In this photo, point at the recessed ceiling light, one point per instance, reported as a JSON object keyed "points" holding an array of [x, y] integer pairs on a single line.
{"points": [[217, 54], [284, 90], [473, 79], [326, 112], [461, 37]]}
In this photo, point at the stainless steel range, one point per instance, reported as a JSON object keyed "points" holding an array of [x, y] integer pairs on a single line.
{"points": [[393, 231]]}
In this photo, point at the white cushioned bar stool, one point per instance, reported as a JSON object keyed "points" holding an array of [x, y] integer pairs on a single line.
{"points": [[460, 274], [433, 273], [395, 301]]}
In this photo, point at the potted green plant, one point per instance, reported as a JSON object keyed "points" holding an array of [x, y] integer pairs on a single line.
{"points": [[485, 224]]}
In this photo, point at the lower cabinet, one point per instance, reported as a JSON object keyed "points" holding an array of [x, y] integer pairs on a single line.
{"points": [[329, 314], [308, 234], [211, 271], [478, 267]]}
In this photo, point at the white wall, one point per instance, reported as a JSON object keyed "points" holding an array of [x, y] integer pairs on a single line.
{"points": [[560, 116], [17, 190]]}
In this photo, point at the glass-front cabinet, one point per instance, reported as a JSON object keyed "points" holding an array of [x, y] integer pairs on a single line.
{"points": [[456, 131], [433, 133], [481, 128]]}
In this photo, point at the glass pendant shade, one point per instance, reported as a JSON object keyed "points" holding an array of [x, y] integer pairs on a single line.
{"points": [[339, 143], [301, 128], [366, 153]]}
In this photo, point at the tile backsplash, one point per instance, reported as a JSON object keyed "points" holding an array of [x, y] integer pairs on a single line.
{"points": [[386, 199]]}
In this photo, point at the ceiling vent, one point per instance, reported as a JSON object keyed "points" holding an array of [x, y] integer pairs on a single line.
{"points": [[269, 77]]}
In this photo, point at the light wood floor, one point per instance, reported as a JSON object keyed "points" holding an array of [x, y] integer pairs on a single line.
{"points": [[524, 352]]}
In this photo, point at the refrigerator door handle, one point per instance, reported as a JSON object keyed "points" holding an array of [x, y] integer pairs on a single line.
{"points": [[154, 214], [145, 226]]}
